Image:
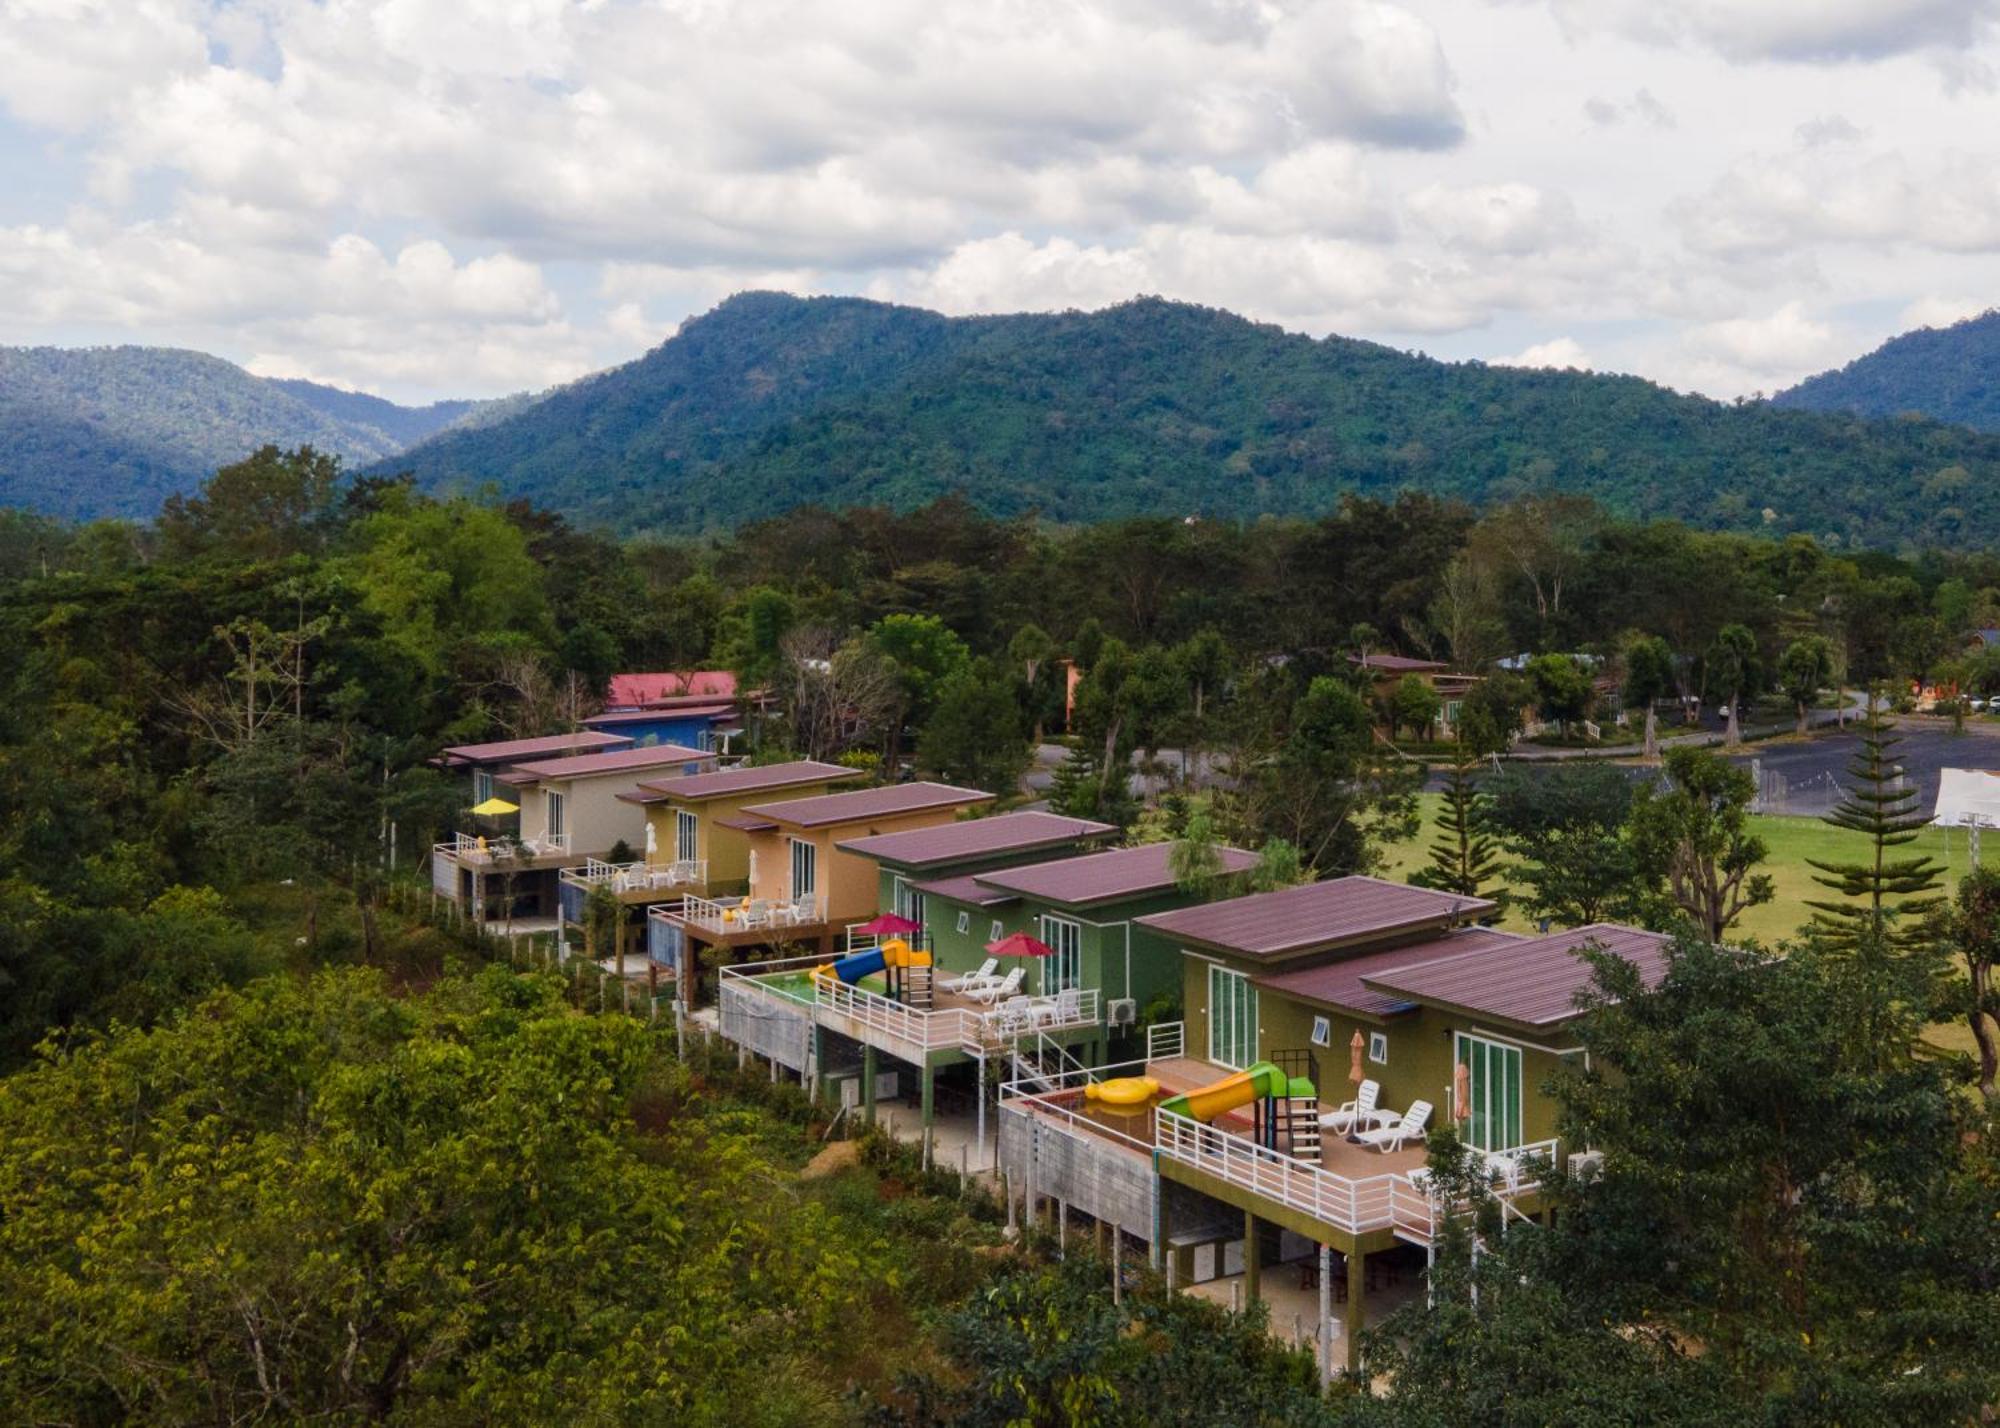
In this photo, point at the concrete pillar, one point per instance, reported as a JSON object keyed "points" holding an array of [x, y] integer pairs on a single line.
{"points": [[1252, 1235], [1354, 1314], [929, 1094], [868, 1085], [1325, 1316]]}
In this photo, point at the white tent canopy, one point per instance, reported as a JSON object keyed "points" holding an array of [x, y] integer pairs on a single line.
{"points": [[1968, 798]]}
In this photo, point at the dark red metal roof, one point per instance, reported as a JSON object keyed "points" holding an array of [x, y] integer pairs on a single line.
{"points": [[859, 803], [966, 888], [1103, 877], [618, 761], [1340, 983], [1533, 982], [749, 779], [1396, 664], [975, 837], [743, 823], [510, 750], [693, 710], [1315, 915]]}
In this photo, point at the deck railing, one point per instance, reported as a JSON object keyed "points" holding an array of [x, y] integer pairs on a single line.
{"points": [[742, 914], [469, 848], [638, 876], [1166, 1041], [966, 1028], [1402, 1200]]}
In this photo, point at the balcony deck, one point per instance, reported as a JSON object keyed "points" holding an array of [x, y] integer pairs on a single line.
{"points": [[640, 883], [498, 855]]}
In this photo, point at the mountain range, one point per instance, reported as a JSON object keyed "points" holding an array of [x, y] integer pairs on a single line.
{"points": [[1151, 407], [1948, 373], [112, 431]]}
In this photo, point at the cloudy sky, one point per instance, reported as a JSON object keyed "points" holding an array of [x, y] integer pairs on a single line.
{"points": [[465, 197]]}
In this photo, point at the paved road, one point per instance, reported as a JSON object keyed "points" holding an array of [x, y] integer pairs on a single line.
{"points": [[1800, 774]]}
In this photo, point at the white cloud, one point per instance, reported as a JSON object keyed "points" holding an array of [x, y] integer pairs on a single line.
{"points": [[1561, 353], [1835, 193], [1935, 311], [1791, 30]]}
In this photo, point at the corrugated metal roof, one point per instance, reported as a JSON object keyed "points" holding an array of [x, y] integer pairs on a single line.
{"points": [[1103, 877], [1294, 920], [975, 837], [749, 779], [1533, 982], [743, 823], [965, 889], [694, 710], [1340, 983], [618, 761], [859, 803], [509, 749], [1395, 663]]}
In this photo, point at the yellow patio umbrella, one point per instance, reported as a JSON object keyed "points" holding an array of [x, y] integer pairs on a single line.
{"points": [[495, 807]]}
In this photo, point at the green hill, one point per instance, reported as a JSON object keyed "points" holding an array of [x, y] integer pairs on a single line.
{"points": [[112, 431], [1946, 373], [1156, 407]]}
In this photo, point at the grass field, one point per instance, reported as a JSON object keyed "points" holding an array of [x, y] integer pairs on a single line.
{"points": [[1792, 841]]}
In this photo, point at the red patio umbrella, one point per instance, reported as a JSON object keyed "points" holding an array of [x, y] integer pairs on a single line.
{"points": [[889, 925], [1020, 944]]}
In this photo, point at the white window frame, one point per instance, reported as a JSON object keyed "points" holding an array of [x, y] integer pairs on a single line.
{"points": [[965, 923], [482, 786], [1231, 1015], [1322, 1033], [555, 813], [1481, 1131], [1378, 1047], [687, 836], [1064, 965], [804, 854], [999, 930]]}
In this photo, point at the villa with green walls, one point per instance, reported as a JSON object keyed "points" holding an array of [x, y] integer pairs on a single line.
{"points": [[1082, 907], [971, 845]]}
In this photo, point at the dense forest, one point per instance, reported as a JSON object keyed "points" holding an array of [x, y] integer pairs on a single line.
{"points": [[1944, 373], [274, 1143], [114, 431], [1164, 409]]}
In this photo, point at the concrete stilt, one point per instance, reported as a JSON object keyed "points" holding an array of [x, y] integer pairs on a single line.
{"points": [[868, 1085], [1354, 1312], [1252, 1235]]}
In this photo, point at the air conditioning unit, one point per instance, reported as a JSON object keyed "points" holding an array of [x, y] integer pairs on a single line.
{"points": [[1123, 1011], [886, 1089], [1586, 1165]]}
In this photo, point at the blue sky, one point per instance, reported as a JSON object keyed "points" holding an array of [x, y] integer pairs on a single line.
{"points": [[464, 197]]}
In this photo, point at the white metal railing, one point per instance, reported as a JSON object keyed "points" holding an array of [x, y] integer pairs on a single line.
{"points": [[639, 876], [471, 848], [1166, 1041], [745, 914], [973, 1031]]}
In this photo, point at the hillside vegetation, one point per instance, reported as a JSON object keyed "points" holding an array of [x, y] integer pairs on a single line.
{"points": [[113, 431], [1949, 374], [1162, 408]]}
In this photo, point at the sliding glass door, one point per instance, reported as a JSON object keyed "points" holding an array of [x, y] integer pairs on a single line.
{"points": [[1232, 1018], [1494, 1086]]}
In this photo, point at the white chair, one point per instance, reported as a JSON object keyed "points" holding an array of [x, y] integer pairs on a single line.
{"points": [[970, 980], [755, 913], [804, 909], [991, 993], [1015, 1014], [1504, 1168], [1358, 1113], [1406, 1127], [1061, 1009]]}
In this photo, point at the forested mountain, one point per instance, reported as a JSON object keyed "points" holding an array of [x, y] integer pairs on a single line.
{"points": [[112, 431], [1155, 407], [1947, 373]]}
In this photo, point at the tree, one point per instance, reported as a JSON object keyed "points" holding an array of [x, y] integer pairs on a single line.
{"points": [[974, 734], [1566, 827], [838, 696], [1196, 857], [1464, 859], [1325, 790], [1885, 899], [1804, 669], [925, 653], [1414, 705], [1034, 653], [590, 652], [1104, 714], [1649, 676], [1733, 673], [1489, 713], [1695, 830], [1972, 931], [1563, 690], [270, 504]]}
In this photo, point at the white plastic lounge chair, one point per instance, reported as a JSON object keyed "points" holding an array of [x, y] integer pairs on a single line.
{"points": [[1504, 1168], [804, 909], [1357, 1113], [993, 992], [1015, 1014], [1059, 1010], [1409, 1126], [970, 980], [756, 913]]}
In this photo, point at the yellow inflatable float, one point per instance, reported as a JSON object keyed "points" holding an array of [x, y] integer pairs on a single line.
{"points": [[1123, 1090]]}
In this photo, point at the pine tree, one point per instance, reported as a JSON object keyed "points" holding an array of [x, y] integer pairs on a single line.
{"points": [[1885, 899], [1464, 859], [1073, 790]]}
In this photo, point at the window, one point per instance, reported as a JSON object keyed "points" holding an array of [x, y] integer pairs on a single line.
{"points": [[909, 902], [687, 836], [1493, 1083], [965, 923], [1322, 1031], [1232, 1018], [1063, 968], [558, 816], [482, 785], [999, 930], [1378, 1047], [805, 869]]}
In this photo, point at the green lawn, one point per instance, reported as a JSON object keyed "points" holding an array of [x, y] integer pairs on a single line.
{"points": [[1791, 842]]}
